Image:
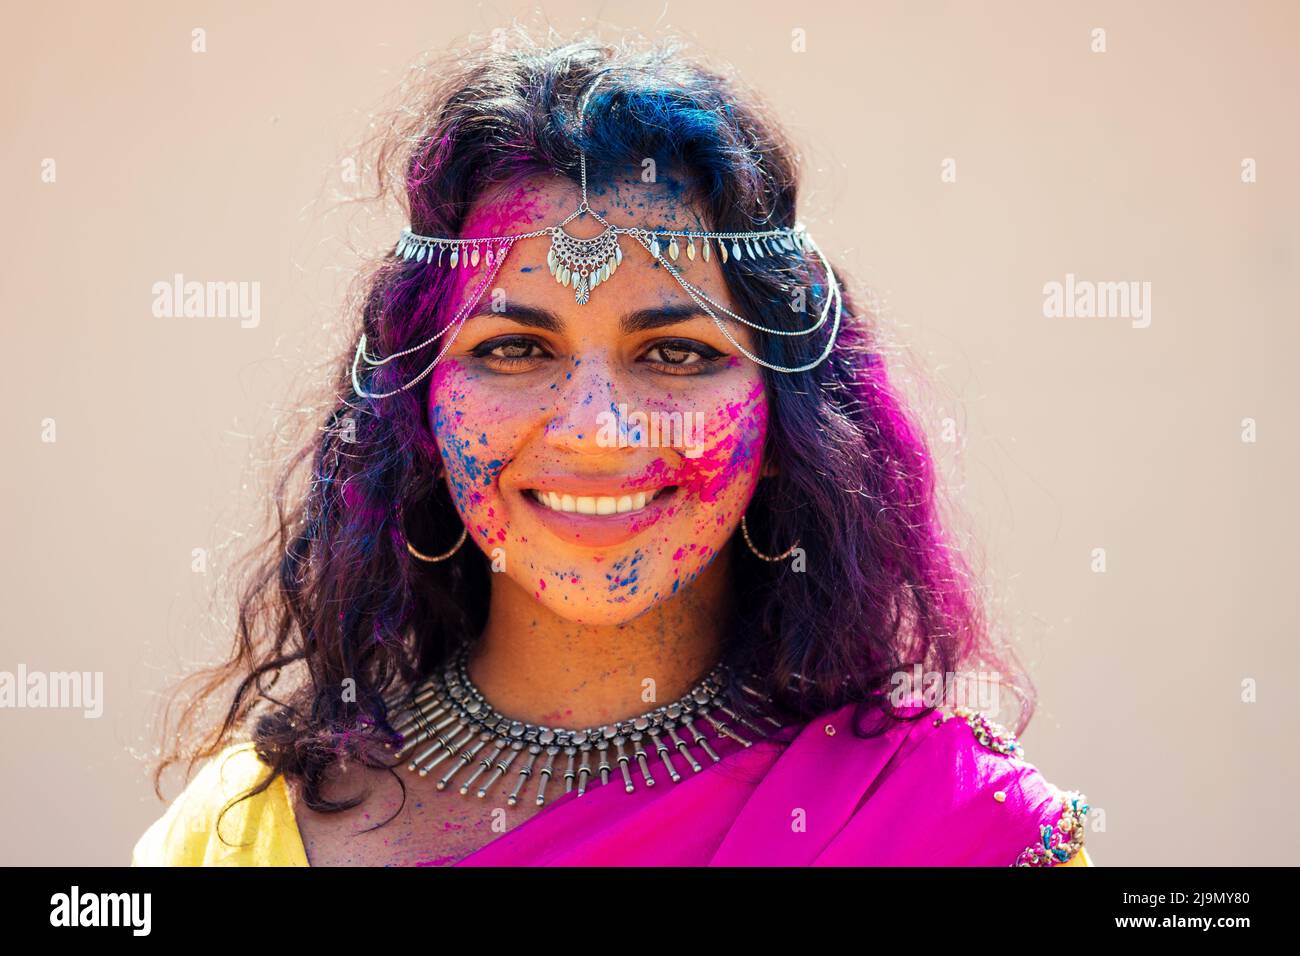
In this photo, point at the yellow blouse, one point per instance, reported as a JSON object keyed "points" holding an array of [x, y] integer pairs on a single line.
{"points": [[259, 831]]}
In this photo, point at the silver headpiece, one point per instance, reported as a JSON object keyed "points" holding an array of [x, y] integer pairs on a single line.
{"points": [[585, 264]]}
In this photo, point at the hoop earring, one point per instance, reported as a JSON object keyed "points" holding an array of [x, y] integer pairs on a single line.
{"points": [[744, 528], [434, 558], [464, 533]]}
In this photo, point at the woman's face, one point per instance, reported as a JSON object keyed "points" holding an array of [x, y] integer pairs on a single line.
{"points": [[601, 455]]}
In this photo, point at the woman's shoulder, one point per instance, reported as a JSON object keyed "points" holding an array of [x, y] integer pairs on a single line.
{"points": [[950, 786], [991, 764], [259, 830]]}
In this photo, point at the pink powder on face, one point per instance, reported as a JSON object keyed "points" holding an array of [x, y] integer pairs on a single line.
{"points": [[521, 208], [731, 449]]}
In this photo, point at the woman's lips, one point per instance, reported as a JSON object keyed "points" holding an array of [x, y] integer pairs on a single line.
{"points": [[590, 526]]}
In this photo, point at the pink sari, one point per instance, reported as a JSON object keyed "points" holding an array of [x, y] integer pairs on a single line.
{"points": [[918, 795]]}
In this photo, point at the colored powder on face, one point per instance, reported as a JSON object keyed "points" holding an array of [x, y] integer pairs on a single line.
{"points": [[731, 454], [629, 579], [464, 468]]}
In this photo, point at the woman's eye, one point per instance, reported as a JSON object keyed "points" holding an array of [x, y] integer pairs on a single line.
{"points": [[509, 352], [520, 353], [682, 354]]}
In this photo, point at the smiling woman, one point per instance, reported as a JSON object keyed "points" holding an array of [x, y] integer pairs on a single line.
{"points": [[575, 628]]}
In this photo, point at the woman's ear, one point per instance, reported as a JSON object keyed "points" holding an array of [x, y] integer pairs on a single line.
{"points": [[769, 469]]}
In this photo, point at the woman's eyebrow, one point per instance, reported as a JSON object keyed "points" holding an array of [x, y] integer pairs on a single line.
{"points": [[529, 315], [641, 320]]}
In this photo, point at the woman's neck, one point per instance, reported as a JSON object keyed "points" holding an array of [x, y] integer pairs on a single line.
{"points": [[535, 666]]}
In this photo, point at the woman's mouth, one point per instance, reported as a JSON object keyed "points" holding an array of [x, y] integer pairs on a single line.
{"points": [[597, 504], [598, 521]]}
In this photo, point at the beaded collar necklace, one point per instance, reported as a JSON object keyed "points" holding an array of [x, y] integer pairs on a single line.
{"points": [[446, 718]]}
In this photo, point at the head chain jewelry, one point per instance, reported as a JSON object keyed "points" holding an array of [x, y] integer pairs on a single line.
{"points": [[584, 264]]}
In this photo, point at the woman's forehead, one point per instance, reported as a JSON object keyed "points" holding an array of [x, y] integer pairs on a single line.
{"points": [[542, 201], [546, 200]]}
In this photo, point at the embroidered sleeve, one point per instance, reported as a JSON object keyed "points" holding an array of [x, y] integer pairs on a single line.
{"points": [[990, 734], [1060, 841]]}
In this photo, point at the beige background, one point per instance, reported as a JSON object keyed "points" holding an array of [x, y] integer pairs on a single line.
{"points": [[1072, 434]]}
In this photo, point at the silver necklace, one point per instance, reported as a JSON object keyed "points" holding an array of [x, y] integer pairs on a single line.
{"points": [[449, 716]]}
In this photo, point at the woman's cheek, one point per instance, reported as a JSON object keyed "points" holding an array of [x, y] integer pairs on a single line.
{"points": [[727, 457], [718, 479], [470, 443]]}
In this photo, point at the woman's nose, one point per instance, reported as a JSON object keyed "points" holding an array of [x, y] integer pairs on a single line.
{"points": [[586, 415]]}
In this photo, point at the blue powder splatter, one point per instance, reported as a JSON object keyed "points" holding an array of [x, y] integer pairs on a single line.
{"points": [[628, 580]]}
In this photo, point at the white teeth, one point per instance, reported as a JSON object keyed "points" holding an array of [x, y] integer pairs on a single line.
{"points": [[594, 505]]}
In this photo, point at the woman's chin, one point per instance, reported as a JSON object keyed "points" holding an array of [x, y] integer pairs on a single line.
{"points": [[597, 605]]}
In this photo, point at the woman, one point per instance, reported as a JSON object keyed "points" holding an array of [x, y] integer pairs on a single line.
{"points": [[586, 572]]}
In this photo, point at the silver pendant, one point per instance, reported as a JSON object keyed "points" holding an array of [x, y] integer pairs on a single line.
{"points": [[583, 263]]}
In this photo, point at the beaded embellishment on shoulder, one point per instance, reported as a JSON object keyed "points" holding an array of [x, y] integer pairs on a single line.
{"points": [[988, 732], [1057, 844], [1060, 843]]}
